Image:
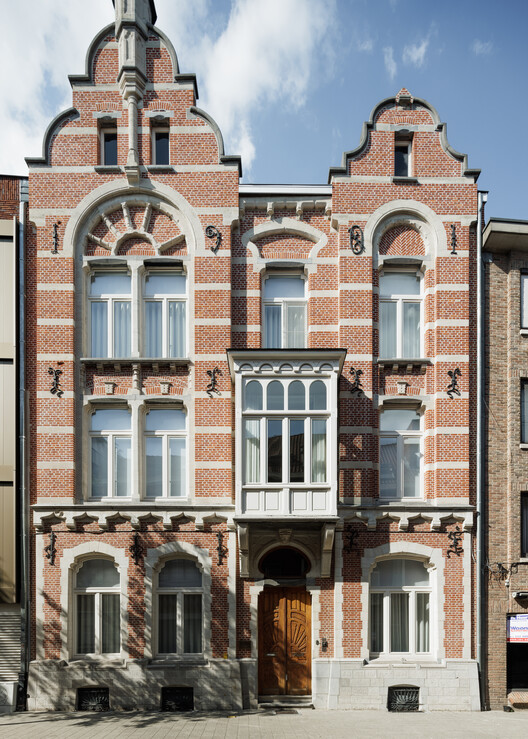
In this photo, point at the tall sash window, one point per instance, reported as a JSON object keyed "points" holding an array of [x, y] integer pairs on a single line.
{"points": [[400, 600], [284, 312], [180, 618], [97, 608], [110, 314]]}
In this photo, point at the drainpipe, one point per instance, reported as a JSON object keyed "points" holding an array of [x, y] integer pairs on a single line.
{"points": [[482, 197], [22, 472]]}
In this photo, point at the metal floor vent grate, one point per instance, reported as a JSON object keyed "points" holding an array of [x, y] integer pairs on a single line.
{"points": [[403, 700], [93, 699], [177, 699]]}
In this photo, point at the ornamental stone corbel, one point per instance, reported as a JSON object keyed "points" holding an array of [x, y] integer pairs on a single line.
{"points": [[243, 549], [327, 545]]}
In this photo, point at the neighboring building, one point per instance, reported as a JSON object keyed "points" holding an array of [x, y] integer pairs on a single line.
{"points": [[13, 192], [506, 310], [251, 407]]}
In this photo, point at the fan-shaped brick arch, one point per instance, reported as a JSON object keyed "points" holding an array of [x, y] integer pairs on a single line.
{"points": [[135, 228], [402, 240]]}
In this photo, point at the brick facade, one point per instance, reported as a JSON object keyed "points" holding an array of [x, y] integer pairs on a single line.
{"points": [[135, 218], [505, 245]]}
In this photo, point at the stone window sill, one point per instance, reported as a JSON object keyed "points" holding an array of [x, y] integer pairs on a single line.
{"points": [[171, 662], [523, 446]]}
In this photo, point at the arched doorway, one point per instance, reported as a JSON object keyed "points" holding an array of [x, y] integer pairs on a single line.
{"points": [[284, 635]]}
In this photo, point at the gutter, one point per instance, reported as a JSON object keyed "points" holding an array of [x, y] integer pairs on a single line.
{"points": [[482, 197], [22, 462]]}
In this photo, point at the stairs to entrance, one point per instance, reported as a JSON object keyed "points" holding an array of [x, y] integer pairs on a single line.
{"points": [[284, 702]]}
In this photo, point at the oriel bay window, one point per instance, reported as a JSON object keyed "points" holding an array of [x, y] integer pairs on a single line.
{"points": [[97, 608], [400, 315], [400, 453], [285, 431], [111, 452], [284, 311], [400, 595], [165, 314], [110, 314], [165, 453], [179, 605]]}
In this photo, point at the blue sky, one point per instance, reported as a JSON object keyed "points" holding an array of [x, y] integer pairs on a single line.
{"points": [[290, 82]]}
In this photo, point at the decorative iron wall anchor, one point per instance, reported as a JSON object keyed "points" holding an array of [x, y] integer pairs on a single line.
{"points": [[498, 571], [50, 551], [212, 387], [221, 549], [212, 232], [351, 537], [453, 239], [55, 388], [452, 388], [356, 386], [55, 249], [136, 550], [455, 547], [356, 239]]}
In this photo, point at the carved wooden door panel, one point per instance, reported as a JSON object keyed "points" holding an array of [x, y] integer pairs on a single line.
{"points": [[284, 642]]}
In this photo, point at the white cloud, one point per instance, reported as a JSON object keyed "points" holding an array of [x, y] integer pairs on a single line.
{"points": [[266, 55], [42, 43], [247, 54], [481, 48], [415, 53], [390, 64], [365, 45]]}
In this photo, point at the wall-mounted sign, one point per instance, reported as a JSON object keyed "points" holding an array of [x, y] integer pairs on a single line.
{"points": [[517, 628]]}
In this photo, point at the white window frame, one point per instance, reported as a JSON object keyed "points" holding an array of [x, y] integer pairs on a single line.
{"points": [[180, 592], [166, 436], [524, 301], [386, 592], [400, 437], [285, 416], [285, 304], [103, 132], [404, 143], [97, 592], [111, 435], [399, 299], [155, 130], [165, 299], [110, 299]]}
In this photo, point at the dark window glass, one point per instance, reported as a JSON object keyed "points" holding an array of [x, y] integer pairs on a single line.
{"points": [[161, 143], [524, 411], [275, 451], [401, 160], [297, 450], [524, 525], [284, 563], [110, 147]]}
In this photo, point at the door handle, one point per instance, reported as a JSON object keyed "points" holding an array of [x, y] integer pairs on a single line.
{"points": [[271, 654]]}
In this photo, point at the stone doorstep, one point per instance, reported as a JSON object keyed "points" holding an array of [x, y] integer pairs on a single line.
{"points": [[518, 699]]}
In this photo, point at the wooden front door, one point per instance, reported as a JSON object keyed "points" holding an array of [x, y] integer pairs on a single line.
{"points": [[285, 660]]}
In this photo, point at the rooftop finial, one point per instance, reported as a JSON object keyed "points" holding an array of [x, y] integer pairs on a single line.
{"points": [[138, 11]]}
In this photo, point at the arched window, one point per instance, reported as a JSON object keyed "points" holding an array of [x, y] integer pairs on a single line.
{"points": [[180, 595], [399, 607], [97, 608]]}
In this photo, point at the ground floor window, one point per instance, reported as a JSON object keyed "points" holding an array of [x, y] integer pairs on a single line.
{"points": [[180, 608], [400, 607], [97, 608]]}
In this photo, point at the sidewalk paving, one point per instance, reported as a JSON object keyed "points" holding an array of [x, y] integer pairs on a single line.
{"points": [[306, 724]]}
